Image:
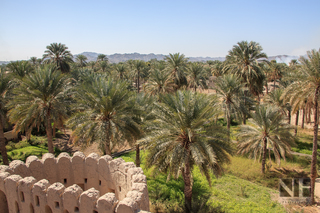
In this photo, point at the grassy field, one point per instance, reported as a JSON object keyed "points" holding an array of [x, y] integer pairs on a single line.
{"points": [[231, 192], [38, 145]]}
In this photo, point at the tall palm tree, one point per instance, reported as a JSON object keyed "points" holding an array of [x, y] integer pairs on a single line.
{"points": [[103, 65], [20, 68], [102, 57], [197, 76], [159, 82], [41, 97], [105, 108], [33, 60], [91, 64], [138, 65], [269, 129], [59, 55], [183, 135], [121, 70], [275, 98], [276, 71], [4, 97], [177, 63], [229, 90], [243, 61], [82, 60], [307, 86]]}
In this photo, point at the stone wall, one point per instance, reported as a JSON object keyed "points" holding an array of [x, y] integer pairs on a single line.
{"points": [[75, 184]]}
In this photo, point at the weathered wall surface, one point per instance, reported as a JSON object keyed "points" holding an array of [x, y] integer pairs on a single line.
{"points": [[75, 184]]}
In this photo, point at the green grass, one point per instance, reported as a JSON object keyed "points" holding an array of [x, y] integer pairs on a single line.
{"points": [[37, 145], [229, 193]]}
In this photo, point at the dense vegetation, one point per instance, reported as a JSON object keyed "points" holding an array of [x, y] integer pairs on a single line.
{"points": [[163, 106]]}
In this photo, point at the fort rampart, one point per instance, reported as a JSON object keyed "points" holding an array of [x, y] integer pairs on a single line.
{"points": [[76, 184]]}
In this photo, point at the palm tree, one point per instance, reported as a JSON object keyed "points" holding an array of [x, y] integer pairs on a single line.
{"points": [[4, 96], [91, 64], [121, 69], [275, 98], [102, 57], [307, 86], [142, 114], [269, 129], [159, 82], [59, 55], [276, 71], [41, 97], [103, 65], [243, 61], [177, 63], [82, 60], [33, 60], [183, 135], [138, 65], [20, 68], [230, 92], [105, 109], [197, 76]]}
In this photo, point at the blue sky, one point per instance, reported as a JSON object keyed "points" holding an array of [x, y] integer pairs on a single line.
{"points": [[194, 28]]}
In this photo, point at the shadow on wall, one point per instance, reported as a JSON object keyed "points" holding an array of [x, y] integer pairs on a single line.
{"points": [[3, 203]]}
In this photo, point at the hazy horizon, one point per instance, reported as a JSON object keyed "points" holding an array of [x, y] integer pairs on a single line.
{"points": [[194, 28]]}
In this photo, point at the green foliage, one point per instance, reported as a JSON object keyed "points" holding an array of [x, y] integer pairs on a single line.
{"points": [[229, 193], [37, 145]]}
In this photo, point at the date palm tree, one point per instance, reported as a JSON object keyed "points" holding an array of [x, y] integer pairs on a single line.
{"points": [[159, 82], [102, 57], [183, 135], [243, 61], [82, 60], [105, 108], [4, 97], [138, 65], [103, 65], [121, 70], [269, 129], [197, 76], [307, 86], [41, 97], [177, 64], [229, 89], [59, 55], [33, 60], [20, 68]]}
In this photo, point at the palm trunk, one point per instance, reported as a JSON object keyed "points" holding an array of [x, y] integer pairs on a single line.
{"points": [[49, 134], [244, 119], [303, 117], [107, 145], [264, 156], [289, 116], [297, 121], [54, 130], [3, 145], [137, 155], [315, 145], [138, 81], [187, 185], [228, 119]]}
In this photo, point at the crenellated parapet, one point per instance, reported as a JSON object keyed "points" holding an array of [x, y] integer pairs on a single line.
{"points": [[76, 184]]}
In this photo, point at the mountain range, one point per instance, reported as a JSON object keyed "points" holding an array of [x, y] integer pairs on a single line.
{"points": [[117, 57]]}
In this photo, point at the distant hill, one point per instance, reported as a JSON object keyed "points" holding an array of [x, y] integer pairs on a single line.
{"points": [[117, 57]]}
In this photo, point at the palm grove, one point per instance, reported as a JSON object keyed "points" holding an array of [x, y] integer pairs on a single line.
{"points": [[162, 106]]}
